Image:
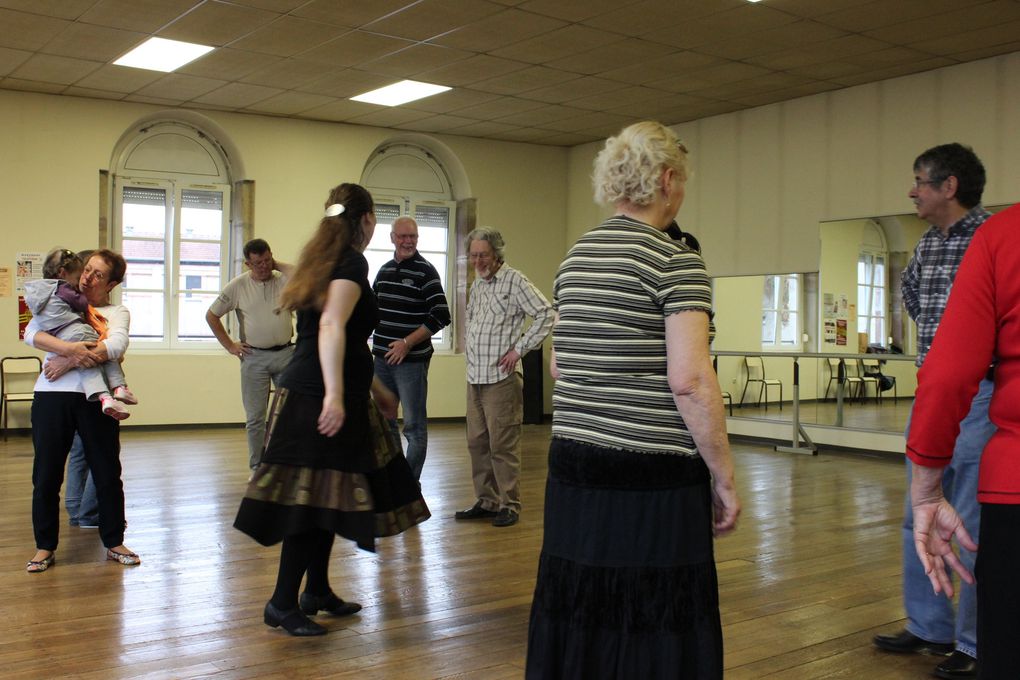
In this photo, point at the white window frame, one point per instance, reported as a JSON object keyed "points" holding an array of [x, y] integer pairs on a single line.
{"points": [[172, 291], [408, 205], [796, 311], [865, 313]]}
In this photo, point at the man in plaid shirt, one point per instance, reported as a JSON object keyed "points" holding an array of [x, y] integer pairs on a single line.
{"points": [[948, 183], [501, 297]]}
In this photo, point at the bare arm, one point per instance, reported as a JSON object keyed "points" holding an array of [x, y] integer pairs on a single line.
{"points": [[698, 399], [237, 349], [341, 296]]}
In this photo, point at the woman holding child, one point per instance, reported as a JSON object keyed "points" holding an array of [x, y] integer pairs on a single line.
{"points": [[61, 408]]}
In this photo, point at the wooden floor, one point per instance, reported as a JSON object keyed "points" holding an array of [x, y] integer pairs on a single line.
{"points": [[811, 574]]}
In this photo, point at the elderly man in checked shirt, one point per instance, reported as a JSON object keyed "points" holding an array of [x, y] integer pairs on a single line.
{"points": [[948, 183], [500, 299]]}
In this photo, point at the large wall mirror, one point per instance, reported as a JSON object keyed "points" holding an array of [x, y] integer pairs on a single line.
{"points": [[850, 304]]}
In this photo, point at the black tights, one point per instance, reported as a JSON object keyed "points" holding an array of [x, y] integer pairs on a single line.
{"points": [[303, 553]]}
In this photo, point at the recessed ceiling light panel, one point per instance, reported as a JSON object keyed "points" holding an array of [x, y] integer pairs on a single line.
{"points": [[160, 54], [400, 93]]}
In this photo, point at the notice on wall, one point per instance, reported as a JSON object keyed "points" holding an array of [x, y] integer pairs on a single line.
{"points": [[835, 315], [841, 332], [24, 316], [29, 266], [5, 281]]}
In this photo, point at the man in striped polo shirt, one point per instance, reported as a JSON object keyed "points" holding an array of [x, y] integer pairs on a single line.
{"points": [[412, 308]]}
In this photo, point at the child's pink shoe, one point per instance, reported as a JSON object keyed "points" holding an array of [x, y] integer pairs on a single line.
{"points": [[125, 395], [114, 408]]}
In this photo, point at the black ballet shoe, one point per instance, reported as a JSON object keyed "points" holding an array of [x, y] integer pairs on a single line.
{"points": [[292, 620], [311, 604]]}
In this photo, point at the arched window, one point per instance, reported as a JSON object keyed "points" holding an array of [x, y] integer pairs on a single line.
{"points": [[872, 282], [406, 179], [171, 221]]}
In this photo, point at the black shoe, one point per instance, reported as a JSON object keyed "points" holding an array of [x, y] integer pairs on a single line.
{"points": [[312, 604], [506, 518], [476, 511], [906, 642], [958, 665], [292, 620]]}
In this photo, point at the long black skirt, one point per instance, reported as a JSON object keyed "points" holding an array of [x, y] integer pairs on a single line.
{"points": [[627, 584], [356, 483]]}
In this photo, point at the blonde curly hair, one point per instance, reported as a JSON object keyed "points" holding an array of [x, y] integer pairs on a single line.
{"points": [[629, 166]]}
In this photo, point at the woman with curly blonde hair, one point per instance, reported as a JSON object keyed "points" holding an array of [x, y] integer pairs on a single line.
{"points": [[329, 466], [640, 473]]}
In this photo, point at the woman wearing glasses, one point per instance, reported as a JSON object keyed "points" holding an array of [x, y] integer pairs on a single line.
{"points": [[60, 409]]}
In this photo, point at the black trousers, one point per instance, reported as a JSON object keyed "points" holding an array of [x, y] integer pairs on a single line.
{"points": [[998, 592], [56, 416]]}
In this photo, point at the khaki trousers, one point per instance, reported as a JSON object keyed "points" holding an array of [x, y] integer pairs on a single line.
{"points": [[494, 416]]}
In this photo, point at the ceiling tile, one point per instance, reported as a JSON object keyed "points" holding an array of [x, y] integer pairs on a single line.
{"points": [[287, 73], [61, 9], [712, 28], [345, 83], [498, 30], [562, 42], [786, 94], [350, 12], [23, 31], [50, 69], [281, 6], [839, 48], [498, 108], [609, 57], [340, 110], [894, 71], [524, 80], [829, 70], [290, 103], [180, 87], [238, 95], [95, 43], [653, 69], [520, 135], [228, 64], [12, 59], [437, 123], [864, 16], [354, 48], [216, 23], [483, 128], [812, 8], [568, 139], [964, 41], [948, 23], [886, 58], [415, 59], [634, 94], [472, 70], [288, 36], [31, 86], [388, 117], [542, 116], [588, 120], [447, 102], [158, 101], [146, 16], [573, 10], [430, 18], [985, 51], [651, 16], [74, 91], [575, 89], [119, 78], [741, 47]]}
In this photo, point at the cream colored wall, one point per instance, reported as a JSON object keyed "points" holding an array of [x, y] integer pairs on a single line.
{"points": [[765, 177], [55, 146]]}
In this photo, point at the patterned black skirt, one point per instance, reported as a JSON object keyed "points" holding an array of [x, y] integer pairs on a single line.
{"points": [[356, 483], [626, 580]]}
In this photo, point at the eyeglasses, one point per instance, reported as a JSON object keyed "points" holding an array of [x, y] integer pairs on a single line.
{"points": [[95, 274], [932, 182], [406, 237]]}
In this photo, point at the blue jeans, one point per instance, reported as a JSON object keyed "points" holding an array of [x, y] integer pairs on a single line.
{"points": [[410, 382], [930, 616], [80, 491]]}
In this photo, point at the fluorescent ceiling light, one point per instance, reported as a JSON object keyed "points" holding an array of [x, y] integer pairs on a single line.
{"points": [[159, 54], [400, 93]]}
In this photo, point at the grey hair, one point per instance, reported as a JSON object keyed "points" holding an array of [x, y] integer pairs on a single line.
{"points": [[490, 236], [629, 166]]}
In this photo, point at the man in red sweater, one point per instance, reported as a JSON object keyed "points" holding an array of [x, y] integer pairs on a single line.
{"points": [[981, 323]]}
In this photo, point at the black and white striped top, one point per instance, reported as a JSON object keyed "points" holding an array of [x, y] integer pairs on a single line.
{"points": [[613, 293]]}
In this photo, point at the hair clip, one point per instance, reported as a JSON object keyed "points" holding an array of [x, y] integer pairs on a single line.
{"points": [[334, 210]]}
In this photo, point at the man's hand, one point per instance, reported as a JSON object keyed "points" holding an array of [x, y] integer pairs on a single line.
{"points": [[397, 352], [508, 362], [240, 349]]}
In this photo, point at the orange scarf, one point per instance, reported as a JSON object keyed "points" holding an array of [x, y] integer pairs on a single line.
{"points": [[97, 321]]}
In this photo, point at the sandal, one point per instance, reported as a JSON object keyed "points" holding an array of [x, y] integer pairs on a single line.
{"points": [[127, 559], [39, 566]]}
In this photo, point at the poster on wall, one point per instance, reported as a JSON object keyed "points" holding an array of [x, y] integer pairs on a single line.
{"points": [[29, 266], [5, 281], [830, 332], [841, 331]]}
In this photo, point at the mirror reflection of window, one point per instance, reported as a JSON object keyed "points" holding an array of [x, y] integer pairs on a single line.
{"points": [[871, 296], [781, 312]]}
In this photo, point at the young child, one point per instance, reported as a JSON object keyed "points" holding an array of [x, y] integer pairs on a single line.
{"points": [[64, 312]]}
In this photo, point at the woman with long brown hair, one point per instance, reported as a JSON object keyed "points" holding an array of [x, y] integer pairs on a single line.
{"points": [[329, 466]]}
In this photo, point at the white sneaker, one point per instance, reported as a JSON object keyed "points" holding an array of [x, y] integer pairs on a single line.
{"points": [[114, 408], [125, 395]]}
